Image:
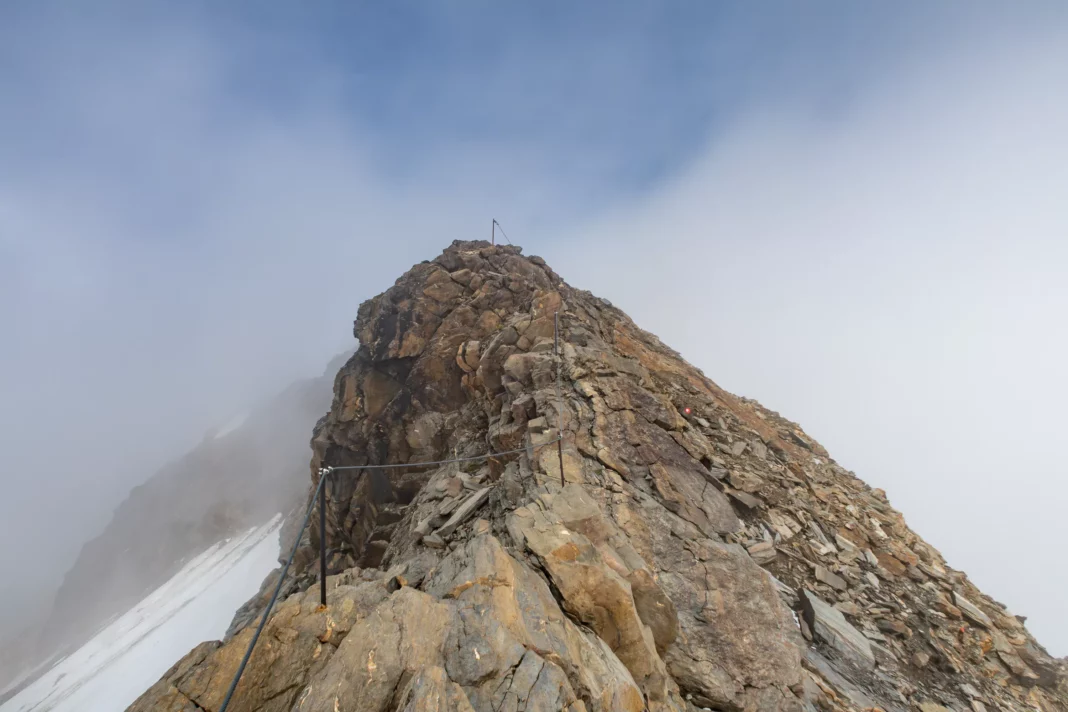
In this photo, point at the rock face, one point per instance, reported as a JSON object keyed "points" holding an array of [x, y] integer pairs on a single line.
{"points": [[681, 549]]}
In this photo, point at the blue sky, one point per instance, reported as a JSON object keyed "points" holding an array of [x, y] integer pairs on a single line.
{"points": [[615, 95], [848, 211]]}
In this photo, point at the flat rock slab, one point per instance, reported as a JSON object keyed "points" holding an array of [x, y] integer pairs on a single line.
{"points": [[816, 662], [829, 625], [831, 579], [972, 611], [464, 511]]}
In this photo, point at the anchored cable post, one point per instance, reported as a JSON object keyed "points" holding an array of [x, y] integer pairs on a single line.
{"points": [[323, 473], [559, 424], [270, 605], [319, 497]]}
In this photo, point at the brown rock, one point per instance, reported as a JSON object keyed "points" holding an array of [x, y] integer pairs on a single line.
{"points": [[696, 500], [654, 608], [889, 562], [972, 611], [849, 608], [832, 580], [734, 629], [465, 510], [762, 552], [483, 576], [830, 626], [597, 595], [933, 707], [895, 627]]}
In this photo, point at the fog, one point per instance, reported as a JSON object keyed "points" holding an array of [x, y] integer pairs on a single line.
{"points": [[897, 282], [856, 218]]}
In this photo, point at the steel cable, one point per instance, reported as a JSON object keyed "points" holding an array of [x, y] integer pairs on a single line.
{"points": [[323, 473]]}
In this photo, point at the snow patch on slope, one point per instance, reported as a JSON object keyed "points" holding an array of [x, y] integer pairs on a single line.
{"points": [[131, 653]]}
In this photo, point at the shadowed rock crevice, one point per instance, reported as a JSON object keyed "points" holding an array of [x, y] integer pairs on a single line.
{"points": [[680, 549]]}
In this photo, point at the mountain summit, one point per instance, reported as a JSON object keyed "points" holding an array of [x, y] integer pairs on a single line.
{"points": [[647, 542]]}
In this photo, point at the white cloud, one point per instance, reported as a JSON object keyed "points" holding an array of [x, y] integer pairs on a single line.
{"points": [[887, 271], [894, 280]]}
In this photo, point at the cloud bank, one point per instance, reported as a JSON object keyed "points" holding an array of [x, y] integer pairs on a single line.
{"points": [[855, 217], [894, 278]]}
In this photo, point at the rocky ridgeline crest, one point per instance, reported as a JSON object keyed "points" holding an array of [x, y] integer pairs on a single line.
{"points": [[702, 553]]}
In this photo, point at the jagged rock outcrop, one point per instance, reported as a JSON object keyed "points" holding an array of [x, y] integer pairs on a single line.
{"points": [[684, 549]]}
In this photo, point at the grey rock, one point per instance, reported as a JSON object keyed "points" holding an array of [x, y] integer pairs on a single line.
{"points": [[464, 511], [434, 541], [762, 552], [972, 611], [829, 625], [831, 579], [816, 662], [744, 498]]}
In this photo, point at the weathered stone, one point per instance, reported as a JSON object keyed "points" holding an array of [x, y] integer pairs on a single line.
{"points": [[696, 501], [844, 544], [654, 608], [762, 552], [841, 684], [469, 355], [598, 596], [430, 690], [434, 541], [830, 626], [972, 611], [734, 629], [831, 579], [890, 563], [464, 511], [895, 627], [849, 608], [485, 577], [933, 707], [745, 499], [402, 636]]}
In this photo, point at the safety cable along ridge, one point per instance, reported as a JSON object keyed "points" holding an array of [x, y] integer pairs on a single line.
{"points": [[323, 473]]}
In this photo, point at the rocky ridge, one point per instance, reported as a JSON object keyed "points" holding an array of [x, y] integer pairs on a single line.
{"points": [[685, 548]]}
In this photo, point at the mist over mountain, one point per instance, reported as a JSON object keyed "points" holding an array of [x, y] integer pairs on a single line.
{"points": [[238, 477], [852, 214]]}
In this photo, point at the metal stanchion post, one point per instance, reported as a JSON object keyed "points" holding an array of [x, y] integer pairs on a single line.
{"points": [[322, 539]]}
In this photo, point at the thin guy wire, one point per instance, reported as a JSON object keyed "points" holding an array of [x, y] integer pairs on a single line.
{"points": [[307, 517], [502, 231]]}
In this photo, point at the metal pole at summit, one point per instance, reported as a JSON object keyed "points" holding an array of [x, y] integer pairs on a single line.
{"points": [[493, 233]]}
